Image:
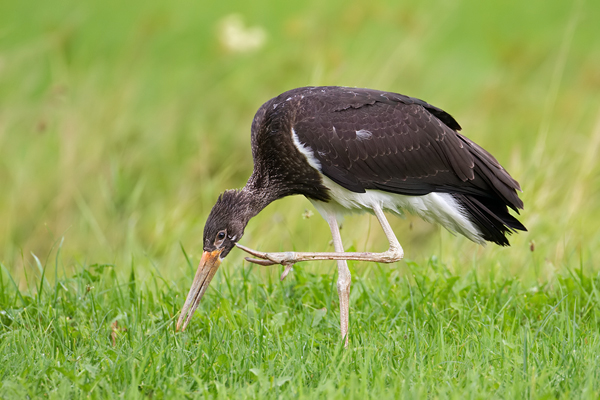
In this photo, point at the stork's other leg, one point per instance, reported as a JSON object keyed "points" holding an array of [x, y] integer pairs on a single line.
{"points": [[344, 278], [393, 254]]}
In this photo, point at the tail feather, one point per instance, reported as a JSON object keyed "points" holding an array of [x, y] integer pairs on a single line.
{"points": [[491, 216]]}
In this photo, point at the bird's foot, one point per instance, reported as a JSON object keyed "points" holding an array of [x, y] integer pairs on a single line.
{"points": [[283, 258], [286, 259]]}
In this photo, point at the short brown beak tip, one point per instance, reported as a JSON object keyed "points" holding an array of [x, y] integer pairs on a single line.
{"points": [[180, 327]]}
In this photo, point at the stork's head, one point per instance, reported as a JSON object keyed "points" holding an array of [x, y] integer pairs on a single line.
{"points": [[224, 227], [226, 222]]}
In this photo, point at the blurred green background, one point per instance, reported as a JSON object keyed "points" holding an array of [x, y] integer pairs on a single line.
{"points": [[121, 122]]}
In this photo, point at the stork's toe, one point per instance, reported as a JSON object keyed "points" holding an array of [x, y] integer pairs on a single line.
{"points": [[255, 253], [266, 263]]}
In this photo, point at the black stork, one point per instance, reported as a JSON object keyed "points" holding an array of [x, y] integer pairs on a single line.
{"points": [[347, 150]]}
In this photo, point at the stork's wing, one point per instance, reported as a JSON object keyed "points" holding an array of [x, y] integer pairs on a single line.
{"points": [[375, 140]]}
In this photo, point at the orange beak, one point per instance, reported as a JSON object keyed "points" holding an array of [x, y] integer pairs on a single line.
{"points": [[209, 264]]}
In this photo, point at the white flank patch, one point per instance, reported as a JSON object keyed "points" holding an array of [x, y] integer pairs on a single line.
{"points": [[307, 151], [432, 207], [363, 134]]}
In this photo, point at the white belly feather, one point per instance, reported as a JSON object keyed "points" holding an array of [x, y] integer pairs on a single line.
{"points": [[433, 207]]}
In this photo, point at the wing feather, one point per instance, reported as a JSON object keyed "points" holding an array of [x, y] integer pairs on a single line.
{"points": [[406, 146]]}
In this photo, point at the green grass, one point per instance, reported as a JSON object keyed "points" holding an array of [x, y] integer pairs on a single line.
{"points": [[435, 335], [120, 123]]}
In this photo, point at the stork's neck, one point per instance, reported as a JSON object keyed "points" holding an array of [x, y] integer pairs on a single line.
{"points": [[256, 198]]}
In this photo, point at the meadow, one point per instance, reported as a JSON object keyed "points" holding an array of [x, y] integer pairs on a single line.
{"points": [[120, 123]]}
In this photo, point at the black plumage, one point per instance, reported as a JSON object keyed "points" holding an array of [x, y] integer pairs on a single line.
{"points": [[405, 146]]}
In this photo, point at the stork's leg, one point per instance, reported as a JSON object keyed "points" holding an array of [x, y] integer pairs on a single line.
{"points": [[393, 254], [344, 278]]}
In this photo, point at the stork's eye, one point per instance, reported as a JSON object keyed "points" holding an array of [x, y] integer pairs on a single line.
{"points": [[220, 237]]}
